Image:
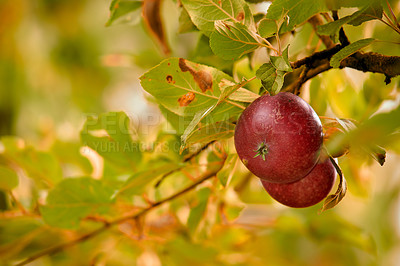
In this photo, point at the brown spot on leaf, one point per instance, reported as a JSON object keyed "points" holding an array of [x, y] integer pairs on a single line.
{"points": [[226, 26], [202, 78], [170, 79], [186, 99], [240, 16]]}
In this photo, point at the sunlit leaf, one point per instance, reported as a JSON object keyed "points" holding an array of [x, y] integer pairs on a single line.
{"points": [[349, 50], [374, 11], [138, 182], [73, 199], [232, 40], [192, 91], [366, 13], [120, 8], [205, 12], [210, 132], [110, 136], [243, 95], [272, 79], [225, 93], [297, 11], [267, 28], [282, 63], [185, 23]]}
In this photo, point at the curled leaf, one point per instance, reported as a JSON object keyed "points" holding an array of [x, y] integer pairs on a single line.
{"points": [[151, 13], [334, 199]]}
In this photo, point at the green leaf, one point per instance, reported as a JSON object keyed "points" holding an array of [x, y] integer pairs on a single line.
{"points": [[355, 19], [225, 93], [349, 50], [374, 11], [337, 4], [8, 178], [186, 88], [73, 199], [332, 28], [210, 132], [272, 79], [282, 63], [138, 182], [267, 28], [110, 136], [197, 212], [185, 23], [298, 11], [204, 54], [120, 8], [191, 91], [375, 133], [227, 170], [41, 166], [232, 40], [205, 12], [243, 95], [272, 74]]}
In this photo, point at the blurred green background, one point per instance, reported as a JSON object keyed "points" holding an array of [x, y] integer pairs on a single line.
{"points": [[59, 63]]}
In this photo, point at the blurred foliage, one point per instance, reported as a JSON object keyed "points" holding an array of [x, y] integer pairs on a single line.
{"points": [[82, 144]]}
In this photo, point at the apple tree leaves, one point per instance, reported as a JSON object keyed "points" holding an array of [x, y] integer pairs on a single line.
{"points": [[192, 91], [272, 73], [75, 198]]}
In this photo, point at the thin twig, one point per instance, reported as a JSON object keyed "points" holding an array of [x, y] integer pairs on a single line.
{"points": [[314, 59], [393, 15], [53, 250], [185, 160], [315, 21], [16, 201]]}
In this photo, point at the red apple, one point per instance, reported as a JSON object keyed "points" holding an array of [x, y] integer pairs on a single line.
{"points": [[308, 191], [278, 138]]}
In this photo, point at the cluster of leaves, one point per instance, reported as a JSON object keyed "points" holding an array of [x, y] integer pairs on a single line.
{"points": [[202, 104]]}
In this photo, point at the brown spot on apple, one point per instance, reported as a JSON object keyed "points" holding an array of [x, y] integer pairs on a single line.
{"points": [[186, 99], [202, 78]]}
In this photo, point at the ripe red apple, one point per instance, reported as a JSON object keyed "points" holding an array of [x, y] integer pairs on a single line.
{"points": [[308, 191], [278, 138]]}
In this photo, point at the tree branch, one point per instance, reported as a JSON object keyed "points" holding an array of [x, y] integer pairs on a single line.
{"points": [[342, 35], [186, 159], [366, 62], [375, 63], [106, 226]]}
